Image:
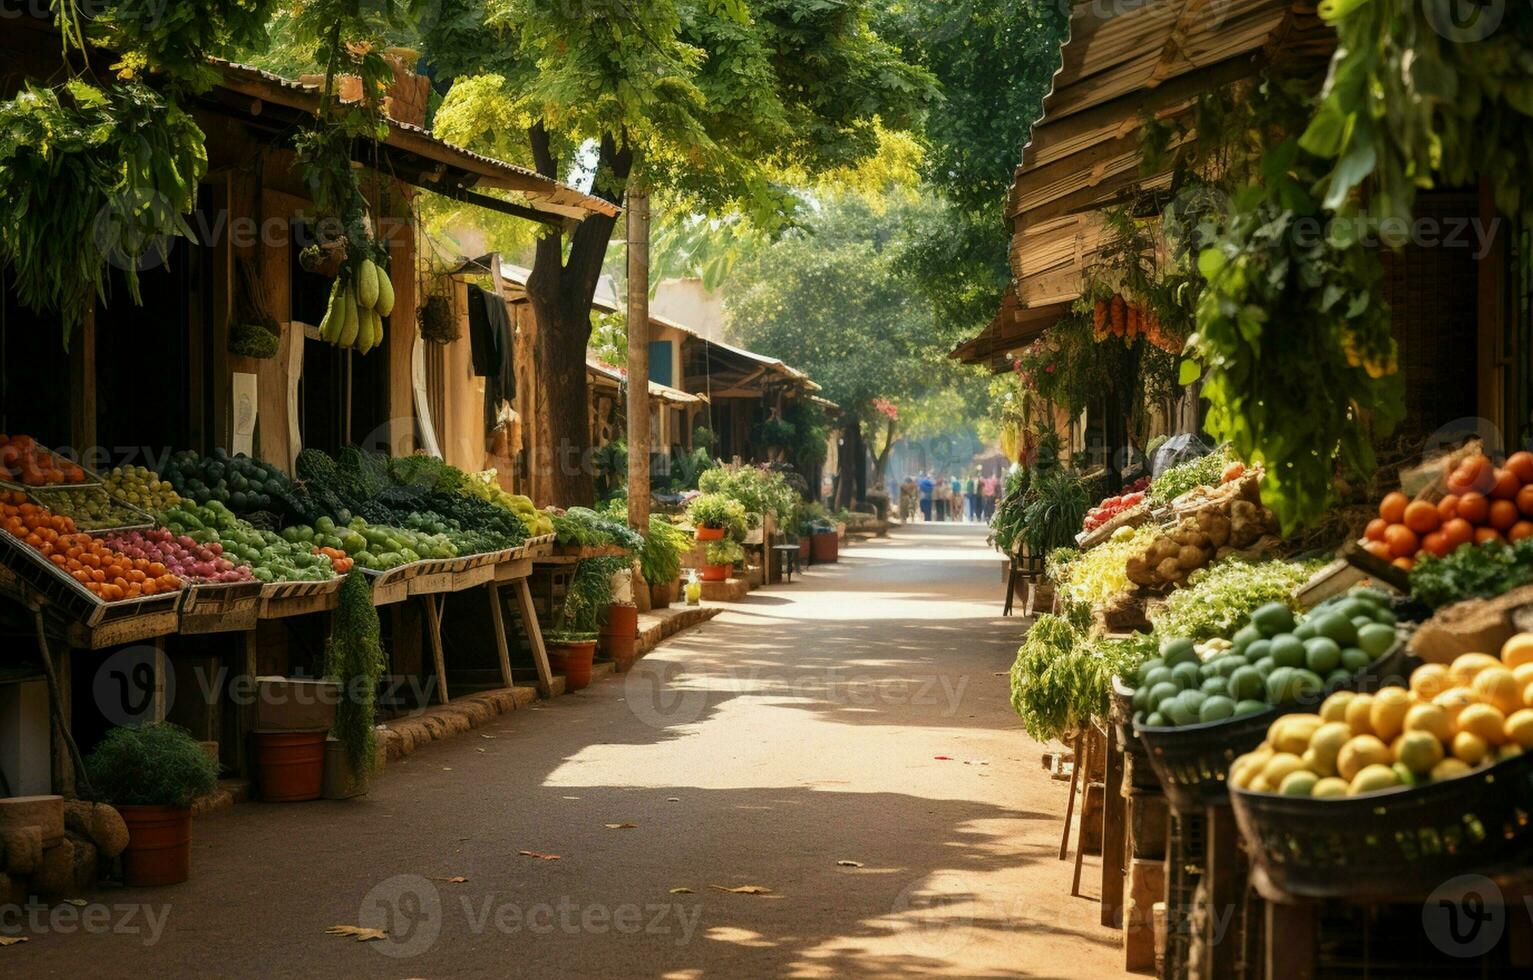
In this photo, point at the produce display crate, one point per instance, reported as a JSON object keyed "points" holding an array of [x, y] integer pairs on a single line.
{"points": [[541, 546], [91, 479], [31, 568], [578, 551], [1133, 517], [392, 585], [282, 599], [1193, 761], [219, 607], [1186, 858], [1398, 845], [142, 519]]}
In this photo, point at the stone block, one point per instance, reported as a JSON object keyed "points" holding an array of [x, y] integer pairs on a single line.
{"points": [[55, 875], [46, 813], [102, 825], [23, 849]]}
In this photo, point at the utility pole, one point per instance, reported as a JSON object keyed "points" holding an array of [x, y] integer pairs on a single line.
{"points": [[638, 356]]}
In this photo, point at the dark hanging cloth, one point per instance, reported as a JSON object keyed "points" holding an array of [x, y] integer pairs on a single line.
{"points": [[492, 342]]}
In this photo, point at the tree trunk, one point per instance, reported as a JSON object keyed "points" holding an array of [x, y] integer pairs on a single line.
{"points": [[881, 461], [638, 359], [561, 290]]}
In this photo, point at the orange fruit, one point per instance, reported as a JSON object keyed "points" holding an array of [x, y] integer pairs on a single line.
{"points": [[1503, 514], [1378, 549], [1376, 528], [1392, 507], [1402, 541], [1506, 485], [1404, 563], [1474, 507], [1484, 534], [1448, 507], [1525, 499], [1422, 517], [1520, 530], [1437, 544]]}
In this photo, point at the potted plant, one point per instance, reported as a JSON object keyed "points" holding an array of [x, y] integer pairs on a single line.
{"points": [[572, 641], [660, 559], [354, 659], [152, 775], [721, 558], [717, 517]]}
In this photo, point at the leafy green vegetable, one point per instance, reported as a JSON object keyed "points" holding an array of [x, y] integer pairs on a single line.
{"points": [[1472, 572], [1099, 574], [660, 558], [1219, 598], [354, 656], [1203, 471], [1057, 503], [1061, 679]]}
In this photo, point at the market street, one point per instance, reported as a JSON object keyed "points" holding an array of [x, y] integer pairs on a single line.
{"points": [[844, 741]]}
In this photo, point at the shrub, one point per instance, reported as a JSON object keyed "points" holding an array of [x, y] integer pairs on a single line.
{"points": [[725, 552], [156, 765], [354, 657], [660, 558], [760, 490]]}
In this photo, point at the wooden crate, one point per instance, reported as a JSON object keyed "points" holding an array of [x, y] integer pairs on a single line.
{"points": [[221, 607], [280, 600]]}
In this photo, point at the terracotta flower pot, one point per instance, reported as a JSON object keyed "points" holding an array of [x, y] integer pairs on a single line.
{"points": [[710, 534], [716, 573], [661, 596], [826, 547], [575, 659], [620, 635], [159, 845], [290, 765]]}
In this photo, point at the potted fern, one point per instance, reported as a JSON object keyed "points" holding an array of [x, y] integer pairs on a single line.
{"points": [[152, 775], [660, 559], [572, 641], [720, 559]]}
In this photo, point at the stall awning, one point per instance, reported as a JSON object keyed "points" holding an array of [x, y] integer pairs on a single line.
{"points": [[1122, 62], [411, 153], [616, 378], [1014, 327]]}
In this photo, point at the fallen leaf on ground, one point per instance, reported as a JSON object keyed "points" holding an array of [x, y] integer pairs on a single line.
{"points": [[850, 864], [540, 857], [482, 735], [76, 902], [454, 880], [447, 768], [682, 891], [362, 935], [479, 750], [673, 799], [743, 889], [569, 797], [943, 758], [622, 826], [12, 940]]}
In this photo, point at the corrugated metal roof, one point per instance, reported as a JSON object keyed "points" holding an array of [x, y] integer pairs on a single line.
{"points": [[664, 393]]}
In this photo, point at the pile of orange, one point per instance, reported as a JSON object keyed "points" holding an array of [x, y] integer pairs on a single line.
{"points": [[1484, 503], [24, 461], [339, 560], [111, 575]]}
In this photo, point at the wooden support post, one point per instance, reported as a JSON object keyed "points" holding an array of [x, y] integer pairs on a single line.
{"points": [[638, 356], [498, 623], [534, 638], [1291, 932], [63, 763], [243, 722], [1114, 834], [1075, 777], [1226, 879], [438, 658]]}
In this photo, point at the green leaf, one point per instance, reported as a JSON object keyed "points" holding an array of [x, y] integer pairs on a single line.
{"points": [[1188, 372]]}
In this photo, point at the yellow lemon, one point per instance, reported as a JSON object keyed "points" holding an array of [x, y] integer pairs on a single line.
{"points": [[1469, 748], [1470, 664], [1524, 674], [1357, 712], [1519, 728], [1429, 718], [1485, 721], [1527, 695], [1329, 788], [1326, 745], [1420, 751], [1373, 779], [1509, 751], [1387, 715], [1449, 768], [1359, 753], [1518, 651], [1294, 736], [1280, 767], [1497, 686], [1454, 701], [1335, 706], [1430, 680]]}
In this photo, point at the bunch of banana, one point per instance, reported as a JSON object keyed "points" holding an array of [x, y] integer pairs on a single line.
{"points": [[355, 315]]}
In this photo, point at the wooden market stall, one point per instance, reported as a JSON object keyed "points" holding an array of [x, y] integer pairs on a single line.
{"points": [[254, 218]]}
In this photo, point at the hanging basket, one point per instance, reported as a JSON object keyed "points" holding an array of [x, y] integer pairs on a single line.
{"points": [[324, 259], [438, 324]]}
